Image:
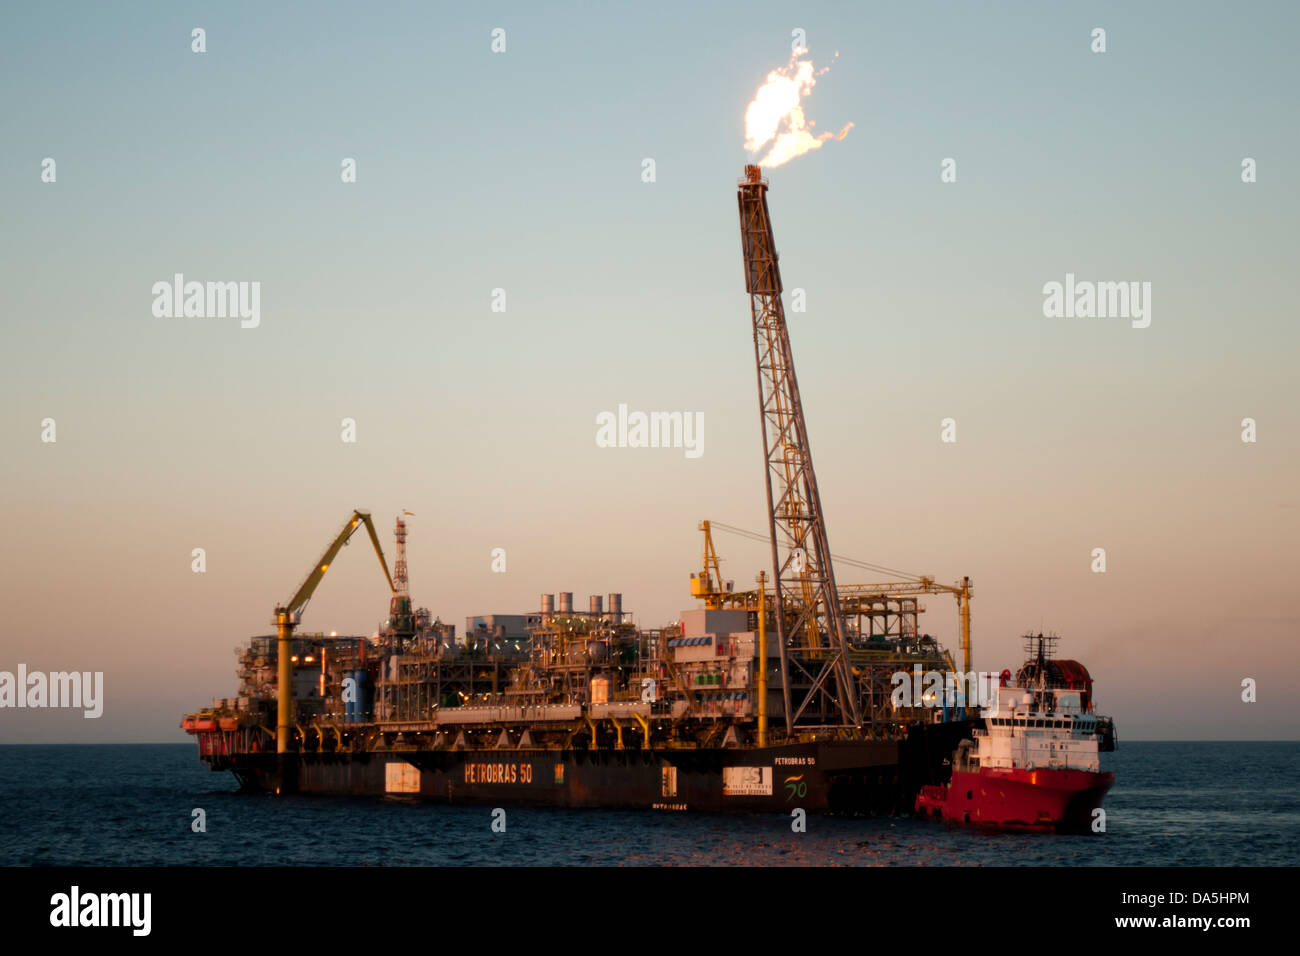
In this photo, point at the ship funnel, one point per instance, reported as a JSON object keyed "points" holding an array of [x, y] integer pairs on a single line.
{"points": [[616, 607], [566, 602], [548, 603], [595, 604]]}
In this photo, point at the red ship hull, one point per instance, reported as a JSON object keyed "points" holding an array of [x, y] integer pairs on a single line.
{"points": [[1016, 799]]}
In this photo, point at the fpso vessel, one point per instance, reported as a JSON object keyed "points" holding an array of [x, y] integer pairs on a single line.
{"points": [[586, 711], [760, 700]]}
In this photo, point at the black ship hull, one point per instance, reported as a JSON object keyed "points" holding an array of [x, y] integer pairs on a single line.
{"points": [[874, 776]]}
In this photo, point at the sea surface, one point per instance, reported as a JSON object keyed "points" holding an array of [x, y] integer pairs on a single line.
{"points": [[1207, 804]]}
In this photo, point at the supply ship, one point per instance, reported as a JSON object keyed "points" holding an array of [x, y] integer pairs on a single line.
{"points": [[1036, 763], [770, 698]]}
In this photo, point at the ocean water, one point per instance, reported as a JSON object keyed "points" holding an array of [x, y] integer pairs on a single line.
{"points": [[1206, 804]]}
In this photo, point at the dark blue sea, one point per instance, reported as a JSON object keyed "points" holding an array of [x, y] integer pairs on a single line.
{"points": [[1207, 804]]}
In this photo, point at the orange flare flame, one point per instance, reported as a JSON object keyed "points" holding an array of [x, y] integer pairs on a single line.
{"points": [[775, 120]]}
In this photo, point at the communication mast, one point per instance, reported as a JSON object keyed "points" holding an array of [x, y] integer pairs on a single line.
{"points": [[399, 564], [401, 620]]}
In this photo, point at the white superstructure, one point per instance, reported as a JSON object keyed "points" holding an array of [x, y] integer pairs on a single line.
{"points": [[1020, 736]]}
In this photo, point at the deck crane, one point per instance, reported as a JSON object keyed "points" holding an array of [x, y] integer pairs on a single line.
{"points": [[705, 585], [804, 577], [925, 584], [288, 615]]}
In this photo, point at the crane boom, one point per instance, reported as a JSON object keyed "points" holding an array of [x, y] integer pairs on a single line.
{"points": [[287, 616], [707, 584], [296, 604]]}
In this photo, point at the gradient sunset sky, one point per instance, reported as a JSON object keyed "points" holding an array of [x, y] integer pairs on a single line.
{"points": [[523, 171]]}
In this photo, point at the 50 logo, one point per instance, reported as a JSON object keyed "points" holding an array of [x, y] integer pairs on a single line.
{"points": [[796, 787]]}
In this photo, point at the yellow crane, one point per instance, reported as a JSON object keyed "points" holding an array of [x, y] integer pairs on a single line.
{"points": [[923, 585], [707, 584], [288, 615]]}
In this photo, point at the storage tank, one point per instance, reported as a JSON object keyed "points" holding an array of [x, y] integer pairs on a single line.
{"points": [[616, 607], [548, 603], [595, 603], [566, 602]]}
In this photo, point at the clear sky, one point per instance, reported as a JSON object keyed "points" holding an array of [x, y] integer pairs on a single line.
{"points": [[522, 171]]}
